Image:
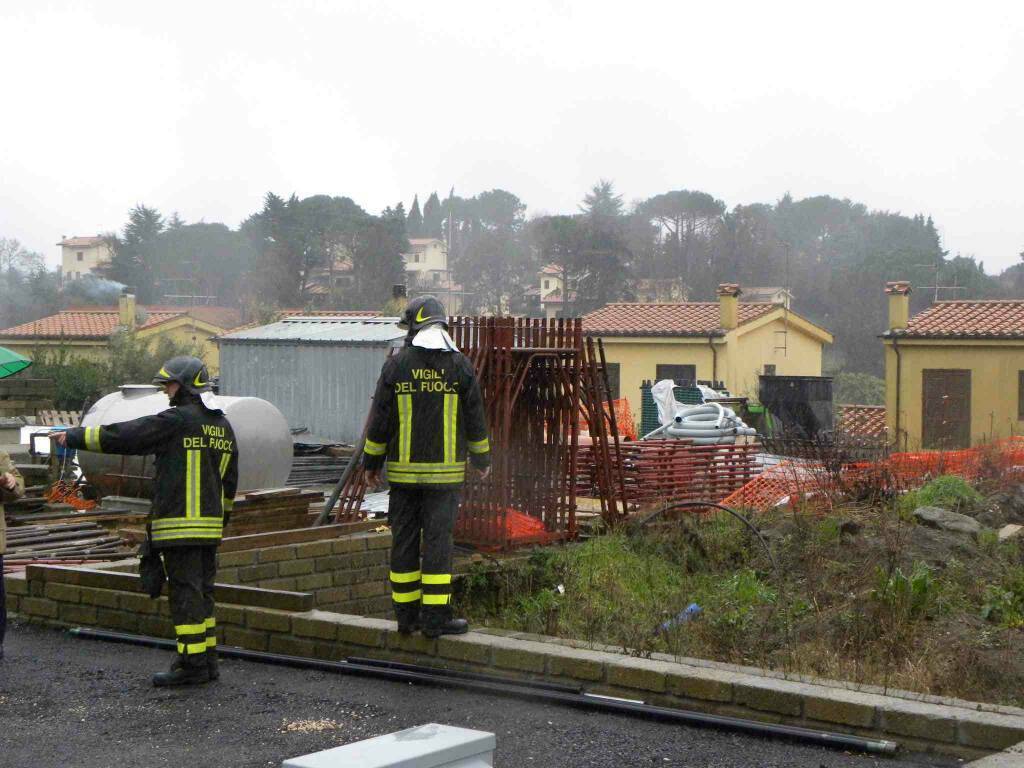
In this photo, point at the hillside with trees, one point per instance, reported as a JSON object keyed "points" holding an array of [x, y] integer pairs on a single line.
{"points": [[833, 254]]}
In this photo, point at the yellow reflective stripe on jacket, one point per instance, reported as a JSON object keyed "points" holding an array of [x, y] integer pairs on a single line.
{"points": [[174, 536], [426, 479], [227, 504], [406, 597], [211, 623], [211, 642], [437, 578], [479, 446], [193, 484], [374, 448], [436, 599], [405, 578], [190, 629], [425, 466], [92, 439], [187, 522], [192, 648], [451, 419], [404, 427], [225, 459], [171, 528]]}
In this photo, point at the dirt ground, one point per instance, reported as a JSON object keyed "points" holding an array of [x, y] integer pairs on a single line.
{"points": [[67, 701]]}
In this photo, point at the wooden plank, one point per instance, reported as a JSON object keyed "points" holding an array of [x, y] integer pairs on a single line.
{"points": [[272, 493], [293, 536]]}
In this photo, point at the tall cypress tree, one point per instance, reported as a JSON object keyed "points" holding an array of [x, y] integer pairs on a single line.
{"points": [[432, 217], [414, 221]]}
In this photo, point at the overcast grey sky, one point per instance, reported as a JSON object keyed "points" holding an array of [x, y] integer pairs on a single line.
{"points": [[202, 107]]}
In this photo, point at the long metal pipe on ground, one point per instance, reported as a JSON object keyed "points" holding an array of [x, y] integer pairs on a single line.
{"points": [[526, 689]]}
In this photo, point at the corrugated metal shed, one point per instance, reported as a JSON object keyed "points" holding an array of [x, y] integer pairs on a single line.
{"points": [[319, 371]]}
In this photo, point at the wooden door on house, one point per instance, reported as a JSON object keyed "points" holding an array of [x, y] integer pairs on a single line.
{"points": [[946, 408]]}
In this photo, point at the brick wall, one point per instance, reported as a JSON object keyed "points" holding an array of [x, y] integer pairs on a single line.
{"points": [[347, 575]]}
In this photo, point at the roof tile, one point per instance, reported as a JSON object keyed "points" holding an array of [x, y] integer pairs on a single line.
{"points": [[101, 322], [1002, 318], [861, 420], [691, 318]]}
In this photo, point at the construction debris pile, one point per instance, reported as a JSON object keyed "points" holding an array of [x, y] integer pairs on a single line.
{"points": [[64, 543]]}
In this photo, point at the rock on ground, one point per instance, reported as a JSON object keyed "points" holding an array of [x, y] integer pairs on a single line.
{"points": [[947, 520]]}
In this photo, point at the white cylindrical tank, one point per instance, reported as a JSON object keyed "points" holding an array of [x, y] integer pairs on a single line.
{"points": [[261, 431]]}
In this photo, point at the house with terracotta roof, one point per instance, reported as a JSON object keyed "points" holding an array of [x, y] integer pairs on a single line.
{"points": [[954, 373], [79, 256], [86, 331], [727, 341]]}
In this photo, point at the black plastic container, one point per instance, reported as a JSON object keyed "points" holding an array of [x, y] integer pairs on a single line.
{"points": [[800, 406]]}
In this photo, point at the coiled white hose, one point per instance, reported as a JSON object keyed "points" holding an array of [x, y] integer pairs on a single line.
{"points": [[708, 424]]}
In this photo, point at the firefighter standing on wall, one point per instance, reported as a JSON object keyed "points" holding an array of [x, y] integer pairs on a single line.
{"points": [[427, 415], [193, 489]]}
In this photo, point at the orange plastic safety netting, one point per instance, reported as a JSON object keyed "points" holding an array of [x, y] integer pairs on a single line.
{"points": [[778, 485], [507, 528], [794, 481], [624, 422]]}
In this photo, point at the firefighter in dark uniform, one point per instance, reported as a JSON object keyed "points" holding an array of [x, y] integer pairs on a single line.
{"points": [[193, 490], [427, 416]]}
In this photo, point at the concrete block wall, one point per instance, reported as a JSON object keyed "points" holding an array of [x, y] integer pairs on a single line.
{"points": [[348, 574], [59, 596]]}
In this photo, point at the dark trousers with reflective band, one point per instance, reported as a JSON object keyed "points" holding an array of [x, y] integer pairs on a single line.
{"points": [[191, 571], [422, 576]]}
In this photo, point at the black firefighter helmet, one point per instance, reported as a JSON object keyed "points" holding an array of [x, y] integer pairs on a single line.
{"points": [[189, 372], [421, 312]]}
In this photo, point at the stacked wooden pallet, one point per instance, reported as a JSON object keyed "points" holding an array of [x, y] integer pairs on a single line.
{"points": [[49, 418], [274, 509]]}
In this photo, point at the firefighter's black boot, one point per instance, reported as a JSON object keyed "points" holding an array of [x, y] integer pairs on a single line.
{"points": [[449, 627], [212, 665], [183, 672]]}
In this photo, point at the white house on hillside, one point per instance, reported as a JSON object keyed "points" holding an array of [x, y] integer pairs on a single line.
{"points": [[81, 255], [427, 261]]}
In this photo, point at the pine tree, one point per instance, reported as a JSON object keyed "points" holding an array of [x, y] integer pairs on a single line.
{"points": [[132, 262]]}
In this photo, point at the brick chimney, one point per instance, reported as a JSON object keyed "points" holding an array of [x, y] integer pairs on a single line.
{"points": [[728, 305], [126, 309], [898, 292]]}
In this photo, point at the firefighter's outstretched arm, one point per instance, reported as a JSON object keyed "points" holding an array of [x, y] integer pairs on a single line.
{"points": [[139, 437], [381, 425]]}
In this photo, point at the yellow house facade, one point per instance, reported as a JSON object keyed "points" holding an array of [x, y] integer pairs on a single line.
{"points": [[954, 373], [85, 333], [725, 341]]}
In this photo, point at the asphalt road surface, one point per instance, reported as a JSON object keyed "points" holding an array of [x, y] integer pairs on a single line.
{"points": [[73, 702]]}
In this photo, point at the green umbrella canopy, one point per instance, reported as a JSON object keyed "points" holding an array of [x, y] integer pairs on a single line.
{"points": [[12, 362]]}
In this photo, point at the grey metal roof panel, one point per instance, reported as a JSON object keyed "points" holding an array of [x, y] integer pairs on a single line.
{"points": [[322, 330]]}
